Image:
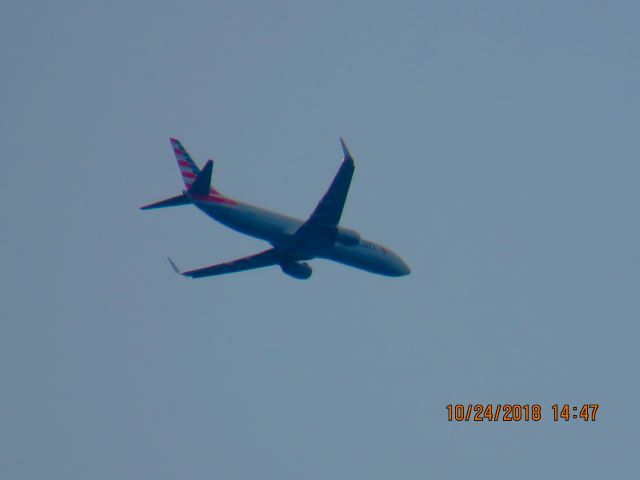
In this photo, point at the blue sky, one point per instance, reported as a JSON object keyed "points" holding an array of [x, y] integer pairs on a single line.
{"points": [[496, 148]]}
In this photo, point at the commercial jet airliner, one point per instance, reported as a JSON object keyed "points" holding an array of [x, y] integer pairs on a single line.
{"points": [[293, 242]]}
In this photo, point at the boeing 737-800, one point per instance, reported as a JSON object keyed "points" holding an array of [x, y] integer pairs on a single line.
{"points": [[293, 241]]}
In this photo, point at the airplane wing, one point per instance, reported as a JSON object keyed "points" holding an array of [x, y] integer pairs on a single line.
{"points": [[329, 210], [259, 260]]}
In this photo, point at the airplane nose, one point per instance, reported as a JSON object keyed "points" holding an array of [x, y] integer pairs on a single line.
{"points": [[402, 268]]}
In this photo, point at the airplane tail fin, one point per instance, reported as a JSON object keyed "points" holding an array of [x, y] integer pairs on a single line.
{"points": [[196, 181], [200, 186], [188, 168]]}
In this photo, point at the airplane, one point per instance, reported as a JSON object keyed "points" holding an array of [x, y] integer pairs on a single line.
{"points": [[293, 242]]}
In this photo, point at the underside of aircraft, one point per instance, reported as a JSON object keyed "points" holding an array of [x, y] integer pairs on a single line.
{"points": [[293, 242]]}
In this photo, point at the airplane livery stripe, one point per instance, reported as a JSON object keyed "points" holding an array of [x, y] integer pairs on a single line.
{"points": [[188, 168], [214, 199]]}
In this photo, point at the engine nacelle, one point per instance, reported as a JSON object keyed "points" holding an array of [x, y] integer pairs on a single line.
{"points": [[347, 236], [299, 270]]}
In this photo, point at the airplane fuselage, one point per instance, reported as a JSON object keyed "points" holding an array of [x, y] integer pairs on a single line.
{"points": [[279, 229], [293, 241]]}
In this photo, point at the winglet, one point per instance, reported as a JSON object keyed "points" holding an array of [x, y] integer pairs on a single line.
{"points": [[173, 265], [345, 150]]}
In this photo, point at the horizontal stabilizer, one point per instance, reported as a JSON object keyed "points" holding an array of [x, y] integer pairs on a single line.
{"points": [[169, 202], [202, 184]]}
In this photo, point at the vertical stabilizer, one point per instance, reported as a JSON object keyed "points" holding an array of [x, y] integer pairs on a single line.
{"points": [[188, 168]]}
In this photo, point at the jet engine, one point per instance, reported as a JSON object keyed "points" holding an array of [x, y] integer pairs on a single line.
{"points": [[347, 237], [299, 270]]}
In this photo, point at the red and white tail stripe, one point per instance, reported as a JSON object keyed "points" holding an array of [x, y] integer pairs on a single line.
{"points": [[188, 168]]}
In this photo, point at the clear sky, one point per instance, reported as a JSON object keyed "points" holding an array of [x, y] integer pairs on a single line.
{"points": [[497, 149]]}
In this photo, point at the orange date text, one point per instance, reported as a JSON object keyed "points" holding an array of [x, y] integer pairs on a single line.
{"points": [[499, 412]]}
